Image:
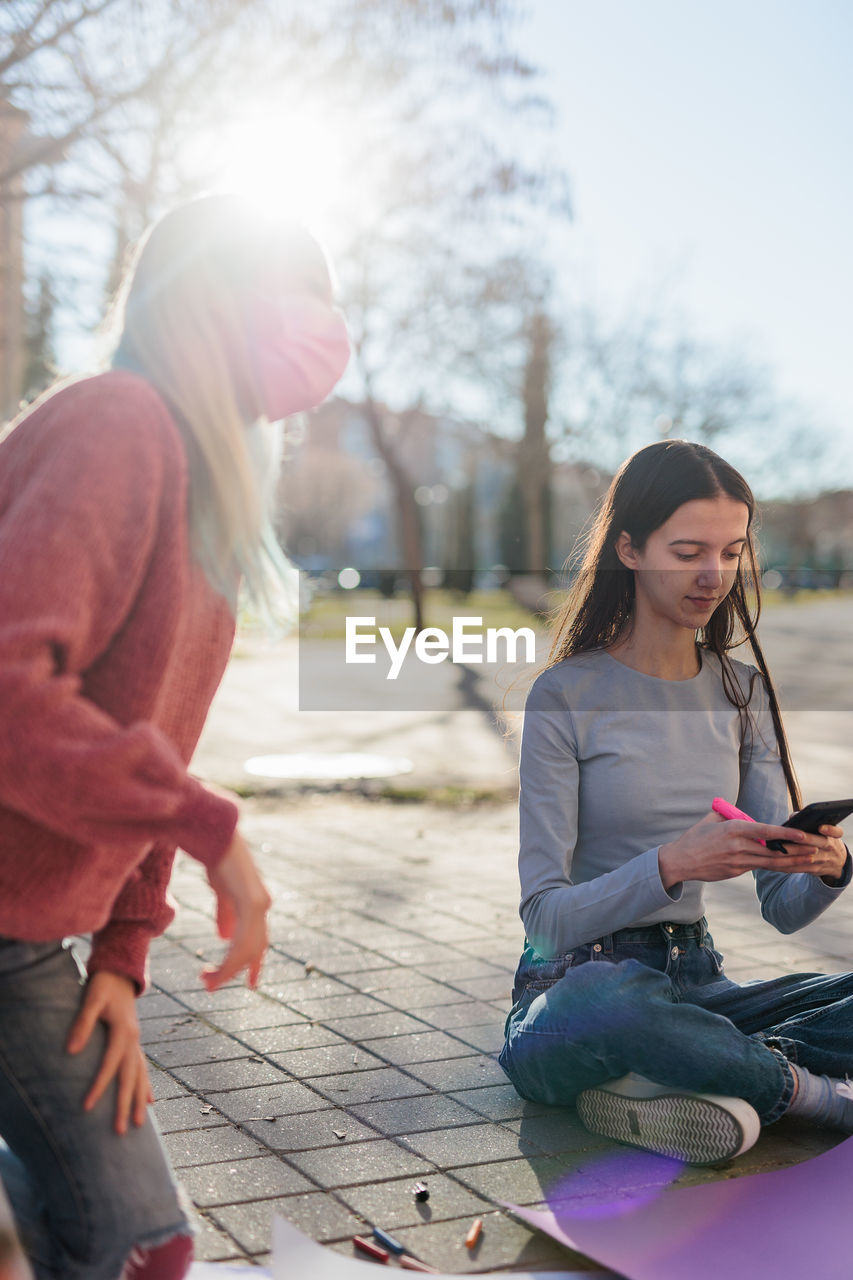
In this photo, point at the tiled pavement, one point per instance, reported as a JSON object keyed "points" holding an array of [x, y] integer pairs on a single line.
{"points": [[366, 1059]]}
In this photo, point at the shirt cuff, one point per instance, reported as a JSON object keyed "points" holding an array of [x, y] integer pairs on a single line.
{"points": [[122, 947], [651, 859], [654, 896]]}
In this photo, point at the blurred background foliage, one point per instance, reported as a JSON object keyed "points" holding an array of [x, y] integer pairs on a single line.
{"points": [[482, 415]]}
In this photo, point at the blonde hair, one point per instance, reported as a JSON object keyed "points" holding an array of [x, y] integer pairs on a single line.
{"points": [[184, 313]]}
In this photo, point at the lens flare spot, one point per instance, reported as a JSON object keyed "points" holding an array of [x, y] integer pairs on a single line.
{"points": [[612, 1184]]}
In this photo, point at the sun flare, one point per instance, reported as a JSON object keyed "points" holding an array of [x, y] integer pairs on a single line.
{"points": [[286, 160]]}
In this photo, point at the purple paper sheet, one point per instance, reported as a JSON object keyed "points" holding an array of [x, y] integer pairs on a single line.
{"points": [[792, 1222]]}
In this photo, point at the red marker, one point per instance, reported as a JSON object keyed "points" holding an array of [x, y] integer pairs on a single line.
{"points": [[372, 1250]]}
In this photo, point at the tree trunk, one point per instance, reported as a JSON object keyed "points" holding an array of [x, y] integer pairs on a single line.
{"points": [[534, 457], [407, 509]]}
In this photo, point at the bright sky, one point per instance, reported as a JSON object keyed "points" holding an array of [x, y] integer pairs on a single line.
{"points": [[710, 142], [709, 145]]}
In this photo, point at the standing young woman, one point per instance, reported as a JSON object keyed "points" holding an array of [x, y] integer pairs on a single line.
{"points": [[641, 717], [132, 505]]}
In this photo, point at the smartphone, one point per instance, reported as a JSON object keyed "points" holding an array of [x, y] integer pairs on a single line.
{"points": [[814, 816]]}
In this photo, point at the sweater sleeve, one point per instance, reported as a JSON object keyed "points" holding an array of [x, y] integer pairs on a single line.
{"points": [[75, 540], [140, 912], [558, 914], [788, 902]]}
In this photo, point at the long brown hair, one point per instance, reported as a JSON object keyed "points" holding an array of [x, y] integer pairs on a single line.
{"points": [[647, 489]]}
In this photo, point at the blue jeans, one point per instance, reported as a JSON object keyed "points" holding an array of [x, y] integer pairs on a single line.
{"points": [[656, 1001], [82, 1195]]}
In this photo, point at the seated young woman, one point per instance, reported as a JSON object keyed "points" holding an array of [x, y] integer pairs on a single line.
{"points": [[641, 718]]}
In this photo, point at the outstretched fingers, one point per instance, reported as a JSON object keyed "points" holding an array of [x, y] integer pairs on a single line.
{"points": [[247, 952]]}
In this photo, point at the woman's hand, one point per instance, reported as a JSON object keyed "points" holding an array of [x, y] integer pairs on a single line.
{"points": [[111, 998], [719, 848], [242, 903], [829, 855]]}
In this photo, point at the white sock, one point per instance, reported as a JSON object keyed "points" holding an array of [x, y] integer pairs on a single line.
{"points": [[824, 1100]]}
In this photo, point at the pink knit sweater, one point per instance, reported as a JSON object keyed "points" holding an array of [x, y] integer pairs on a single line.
{"points": [[112, 644]]}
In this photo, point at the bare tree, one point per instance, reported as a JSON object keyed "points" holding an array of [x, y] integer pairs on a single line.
{"points": [[534, 455], [116, 87], [421, 286], [40, 365], [513, 353], [647, 376], [384, 440]]}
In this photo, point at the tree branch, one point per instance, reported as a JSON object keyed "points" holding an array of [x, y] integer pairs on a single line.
{"points": [[24, 46]]}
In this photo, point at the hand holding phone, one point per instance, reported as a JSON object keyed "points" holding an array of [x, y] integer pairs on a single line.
{"points": [[814, 816]]}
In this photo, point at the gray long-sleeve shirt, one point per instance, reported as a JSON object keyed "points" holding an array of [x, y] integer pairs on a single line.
{"points": [[615, 763]]}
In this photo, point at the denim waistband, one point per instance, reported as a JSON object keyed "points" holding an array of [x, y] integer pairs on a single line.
{"points": [[664, 931]]}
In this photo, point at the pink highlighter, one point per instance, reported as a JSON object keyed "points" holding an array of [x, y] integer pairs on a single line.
{"points": [[726, 810]]}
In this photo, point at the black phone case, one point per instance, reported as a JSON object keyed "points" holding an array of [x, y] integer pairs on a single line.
{"points": [[813, 816]]}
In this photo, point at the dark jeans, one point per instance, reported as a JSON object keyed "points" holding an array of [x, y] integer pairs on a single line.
{"points": [[83, 1196], [656, 1001]]}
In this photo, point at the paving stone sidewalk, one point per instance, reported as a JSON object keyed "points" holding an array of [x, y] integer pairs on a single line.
{"points": [[366, 1059]]}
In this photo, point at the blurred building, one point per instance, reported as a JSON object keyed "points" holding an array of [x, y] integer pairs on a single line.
{"points": [[13, 135], [576, 489], [813, 536], [338, 506]]}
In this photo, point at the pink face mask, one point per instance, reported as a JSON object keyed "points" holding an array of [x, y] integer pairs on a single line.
{"points": [[300, 350]]}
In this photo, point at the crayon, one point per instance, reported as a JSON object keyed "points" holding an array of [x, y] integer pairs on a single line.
{"points": [[474, 1234], [388, 1242], [408, 1263], [372, 1250]]}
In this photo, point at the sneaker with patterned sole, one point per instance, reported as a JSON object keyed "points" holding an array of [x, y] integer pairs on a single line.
{"points": [[698, 1128]]}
